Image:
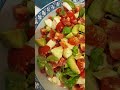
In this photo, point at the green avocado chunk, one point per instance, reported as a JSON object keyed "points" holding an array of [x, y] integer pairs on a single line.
{"points": [[72, 64], [15, 38], [40, 41]]}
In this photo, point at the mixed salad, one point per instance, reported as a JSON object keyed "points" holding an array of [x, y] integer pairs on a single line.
{"points": [[103, 47], [20, 59], [61, 47]]}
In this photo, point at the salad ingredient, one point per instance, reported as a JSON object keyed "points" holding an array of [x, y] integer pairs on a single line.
{"points": [[48, 22], [67, 52], [81, 80], [52, 58], [41, 41], [82, 28], [81, 12], [49, 69], [69, 35], [59, 27], [66, 5], [75, 30], [43, 50], [99, 10], [57, 52], [72, 64], [75, 50], [20, 58], [51, 43], [15, 38], [96, 58], [41, 61], [74, 41], [70, 3], [66, 30]]}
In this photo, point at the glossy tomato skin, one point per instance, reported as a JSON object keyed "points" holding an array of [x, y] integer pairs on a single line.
{"points": [[71, 16], [59, 27], [43, 50], [81, 64], [74, 41], [20, 58]]}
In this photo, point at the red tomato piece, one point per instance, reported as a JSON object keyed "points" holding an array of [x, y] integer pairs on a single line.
{"points": [[59, 27], [20, 58], [58, 10], [66, 21], [43, 50], [81, 64], [43, 31], [74, 41], [82, 74], [52, 33], [71, 16], [63, 45], [81, 20], [59, 36]]}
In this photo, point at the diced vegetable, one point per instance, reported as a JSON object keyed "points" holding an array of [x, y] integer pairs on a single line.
{"points": [[75, 50], [49, 70], [96, 58], [67, 6], [41, 41], [82, 28], [48, 22], [67, 52], [72, 64], [81, 12], [81, 81], [75, 29], [51, 43], [72, 5], [66, 30], [52, 58], [69, 35], [76, 14], [96, 11], [41, 61], [57, 52]]}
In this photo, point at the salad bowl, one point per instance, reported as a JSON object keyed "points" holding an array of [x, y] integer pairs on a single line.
{"points": [[41, 82]]}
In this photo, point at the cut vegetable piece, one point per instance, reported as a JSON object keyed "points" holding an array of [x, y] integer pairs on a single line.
{"points": [[82, 28], [41, 61], [75, 50], [67, 6], [52, 58], [51, 43], [72, 5], [81, 12], [57, 52], [48, 22], [69, 35], [81, 81], [67, 52], [96, 11], [75, 29], [41, 41], [76, 14], [72, 64], [49, 70], [113, 7], [15, 38], [66, 30]]}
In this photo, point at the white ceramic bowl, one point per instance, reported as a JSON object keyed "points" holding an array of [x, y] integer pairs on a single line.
{"points": [[48, 10]]}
